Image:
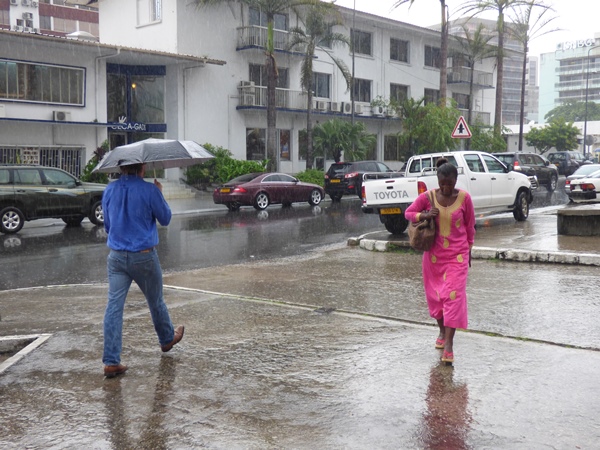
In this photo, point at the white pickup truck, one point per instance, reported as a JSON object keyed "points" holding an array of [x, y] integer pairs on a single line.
{"points": [[492, 186]]}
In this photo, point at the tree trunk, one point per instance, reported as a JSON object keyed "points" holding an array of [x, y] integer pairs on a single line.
{"points": [[309, 132], [444, 56], [272, 144], [500, 75]]}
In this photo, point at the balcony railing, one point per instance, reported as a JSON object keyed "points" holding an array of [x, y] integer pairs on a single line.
{"points": [[463, 75], [477, 116], [254, 36]]}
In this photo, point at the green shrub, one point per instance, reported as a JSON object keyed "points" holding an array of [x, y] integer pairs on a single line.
{"points": [[314, 176], [220, 169], [95, 177]]}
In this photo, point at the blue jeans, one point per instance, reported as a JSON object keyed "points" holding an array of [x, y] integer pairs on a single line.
{"points": [[143, 268]]}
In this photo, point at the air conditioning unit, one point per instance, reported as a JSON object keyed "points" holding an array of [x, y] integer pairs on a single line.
{"points": [[18, 28], [14, 2], [335, 107], [378, 110], [27, 29], [34, 4], [26, 2], [35, 30], [358, 109], [248, 100], [246, 84], [347, 108], [61, 116], [27, 16], [322, 106]]}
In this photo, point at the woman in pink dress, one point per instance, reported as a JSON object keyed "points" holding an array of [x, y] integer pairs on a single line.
{"points": [[446, 264]]}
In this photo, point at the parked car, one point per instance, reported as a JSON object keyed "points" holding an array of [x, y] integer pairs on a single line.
{"points": [[531, 164], [567, 162], [585, 190], [582, 172], [34, 192], [345, 178], [263, 189]]}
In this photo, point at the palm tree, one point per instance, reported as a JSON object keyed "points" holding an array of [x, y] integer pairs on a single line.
{"points": [[270, 8], [443, 47], [475, 48], [336, 137], [501, 7], [317, 35], [530, 23]]}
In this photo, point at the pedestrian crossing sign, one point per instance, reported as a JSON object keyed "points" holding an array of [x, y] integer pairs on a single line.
{"points": [[461, 130]]}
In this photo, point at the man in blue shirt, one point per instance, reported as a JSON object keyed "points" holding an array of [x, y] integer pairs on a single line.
{"points": [[131, 209]]}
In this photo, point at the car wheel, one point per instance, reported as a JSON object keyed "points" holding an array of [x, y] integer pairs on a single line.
{"points": [[335, 197], [97, 215], [315, 197], [521, 210], [261, 201], [232, 207], [73, 221], [395, 224], [552, 184], [12, 220]]}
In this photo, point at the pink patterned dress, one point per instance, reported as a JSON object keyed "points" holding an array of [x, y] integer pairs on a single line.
{"points": [[446, 265]]}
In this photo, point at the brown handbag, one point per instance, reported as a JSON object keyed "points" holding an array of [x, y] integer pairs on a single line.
{"points": [[421, 234]]}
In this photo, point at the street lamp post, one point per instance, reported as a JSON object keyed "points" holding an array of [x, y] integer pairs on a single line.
{"points": [[587, 83]]}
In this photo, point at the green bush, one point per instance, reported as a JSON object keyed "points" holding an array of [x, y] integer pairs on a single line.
{"points": [[314, 176], [220, 169], [95, 177]]}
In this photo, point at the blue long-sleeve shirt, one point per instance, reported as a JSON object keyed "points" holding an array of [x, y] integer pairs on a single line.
{"points": [[131, 208]]}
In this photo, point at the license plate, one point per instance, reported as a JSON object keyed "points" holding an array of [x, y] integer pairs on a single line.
{"points": [[390, 211], [225, 190], [334, 181]]}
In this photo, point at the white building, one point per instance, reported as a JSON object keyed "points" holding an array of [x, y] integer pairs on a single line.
{"points": [[226, 105]]}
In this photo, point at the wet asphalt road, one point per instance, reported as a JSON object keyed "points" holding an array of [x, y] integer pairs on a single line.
{"points": [[331, 348]]}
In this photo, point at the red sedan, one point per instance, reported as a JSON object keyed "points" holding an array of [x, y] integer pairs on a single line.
{"points": [[263, 189]]}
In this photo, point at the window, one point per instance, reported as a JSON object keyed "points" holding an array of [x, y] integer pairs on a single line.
{"points": [[64, 25], [258, 74], [149, 11], [41, 83], [256, 144], [321, 83], [361, 42], [462, 100], [259, 19], [391, 148], [371, 153], [362, 90], [432, 56], [398, 92], [474, 163], [431, 96], [399, 50], [147, 99], [4, 17], [45, 22], [493, 165]]}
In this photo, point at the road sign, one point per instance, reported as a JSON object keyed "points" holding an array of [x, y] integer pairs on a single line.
{"points": [[461, 130]]}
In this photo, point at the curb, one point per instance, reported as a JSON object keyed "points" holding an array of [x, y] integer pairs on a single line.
{"points": [[502, 254]]}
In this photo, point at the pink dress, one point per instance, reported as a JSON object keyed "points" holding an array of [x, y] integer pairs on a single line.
{"points": [[446, 265]]}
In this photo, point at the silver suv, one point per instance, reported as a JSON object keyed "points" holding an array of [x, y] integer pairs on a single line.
{"points": [[35, 192]]}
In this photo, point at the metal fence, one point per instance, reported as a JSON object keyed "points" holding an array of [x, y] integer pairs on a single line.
{"points": [[65, 158]]}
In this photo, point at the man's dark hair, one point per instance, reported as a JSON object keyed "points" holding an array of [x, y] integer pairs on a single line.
{"points": [[131, 169], [446, 169]]}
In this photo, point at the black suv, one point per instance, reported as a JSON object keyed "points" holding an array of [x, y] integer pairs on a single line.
{"points": [[531, 164], [567, 162], [34, 192], [346, 177]]}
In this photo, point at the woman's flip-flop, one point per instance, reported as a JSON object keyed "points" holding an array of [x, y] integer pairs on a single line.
{"points": [[448, 357], [439, 343]]}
